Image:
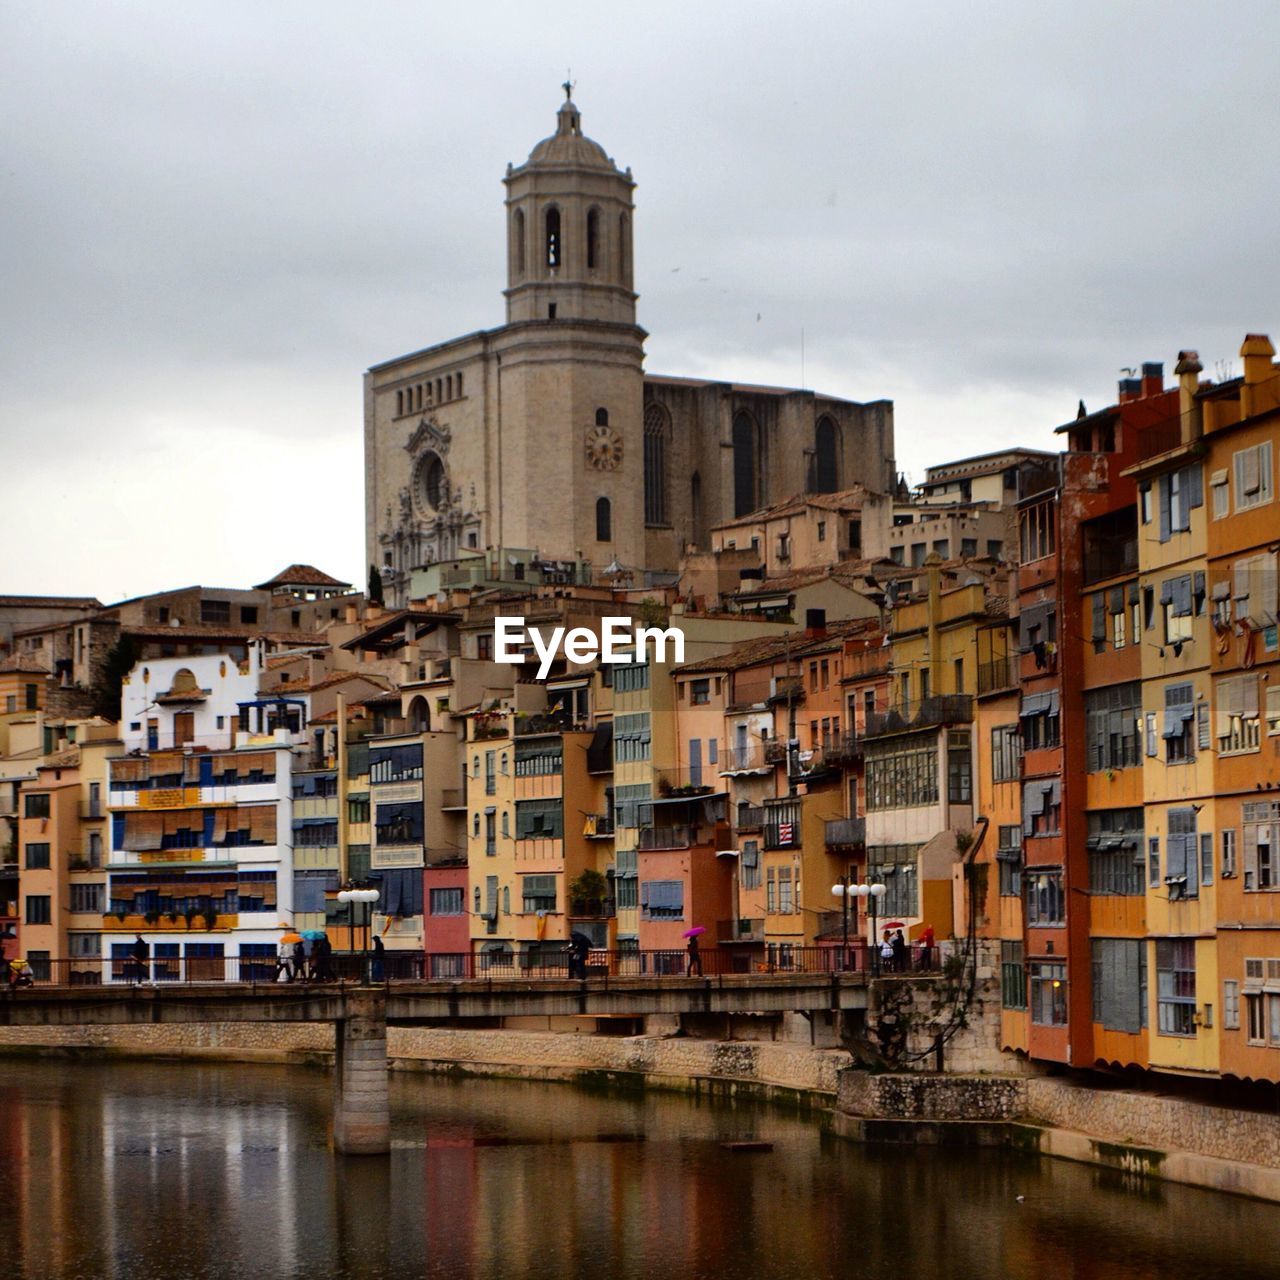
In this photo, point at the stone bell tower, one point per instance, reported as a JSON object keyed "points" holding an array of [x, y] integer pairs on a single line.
{"points": [[571, 356]]}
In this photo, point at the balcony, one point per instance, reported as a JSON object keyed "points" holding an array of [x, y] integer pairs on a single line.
{"points": [[842, 751], [999, 673], [775, 751], [453, 798], [485, 728], [786, 689], [846, 833], [680, 836], [598, 826], [90, 809], [592, 909], [743, 929], [864, 664], [954, 708], [445, 857], [531, 726], [749, 817], [750, 759]]}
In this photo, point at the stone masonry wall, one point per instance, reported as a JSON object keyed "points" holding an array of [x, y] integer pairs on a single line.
{"points": [[921, 1097], [1148, 1120]]}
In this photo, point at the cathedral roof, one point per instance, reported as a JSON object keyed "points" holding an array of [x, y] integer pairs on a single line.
{"points": [[568, 146]]}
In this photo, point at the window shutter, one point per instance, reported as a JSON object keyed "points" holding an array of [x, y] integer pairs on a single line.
{"points": [[1195, 486], [1202, 726], [1099, 619], [1166, 519], [1250, 833], [1249, 697]]}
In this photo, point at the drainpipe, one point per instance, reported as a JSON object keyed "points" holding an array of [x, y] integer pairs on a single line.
{"points": [[934, 565], [343, 840]]}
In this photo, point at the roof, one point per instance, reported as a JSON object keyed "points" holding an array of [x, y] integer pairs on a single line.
{"points": [[852, 574], [334, 678], [50, 602], [750, 388], [301, 575], [845, 500], [386, 627], [197, 632], [794, 644], [23, 664], [569, 146]]}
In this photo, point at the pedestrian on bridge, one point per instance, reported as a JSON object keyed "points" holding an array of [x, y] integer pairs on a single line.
{"points": [[140, 954]]}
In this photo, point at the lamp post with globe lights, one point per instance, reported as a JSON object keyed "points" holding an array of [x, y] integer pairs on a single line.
{"points": [[368, 897], [846, 891]]}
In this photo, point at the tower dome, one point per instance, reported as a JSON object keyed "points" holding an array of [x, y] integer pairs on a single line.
{"points": [[569, 146]]}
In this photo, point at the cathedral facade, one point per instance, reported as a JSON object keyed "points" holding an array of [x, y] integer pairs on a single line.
{"points": [[546, 434]]}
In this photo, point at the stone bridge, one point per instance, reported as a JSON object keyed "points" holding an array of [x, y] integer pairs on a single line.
{"points": [[360, 1015]]}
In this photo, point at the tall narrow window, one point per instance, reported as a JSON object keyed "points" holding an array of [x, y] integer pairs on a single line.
{"points": [[593, 239], [825, 471], [554, 247], [744, 465], [624, 248], [604, 521], [695, 509], [517, 233], [656, 431], [602, 417]]}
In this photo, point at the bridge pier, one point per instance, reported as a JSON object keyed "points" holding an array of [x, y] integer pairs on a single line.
{"points": [[361, 1102]]}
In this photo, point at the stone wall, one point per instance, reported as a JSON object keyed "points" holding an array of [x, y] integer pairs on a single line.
{"points": [[248, 1041], [1149, 1120], [921, 1097]]}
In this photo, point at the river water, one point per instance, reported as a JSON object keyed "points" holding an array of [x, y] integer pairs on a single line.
{"points": [[162, 1170]]}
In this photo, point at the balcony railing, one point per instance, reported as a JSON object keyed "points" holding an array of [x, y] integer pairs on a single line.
{"points": [[999, 673], [845, 833], [527, 726], [598, 826], [592, 908], [781, 835], [953, 708], [787, 689], [865, 663], [445, 857], [842, 751], [743, 759], [488, 727], [775, 751], [453, 798], [680, 836], [744, 929]]}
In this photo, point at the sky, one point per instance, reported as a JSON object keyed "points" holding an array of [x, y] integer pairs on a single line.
{"points": [[215, 216]]}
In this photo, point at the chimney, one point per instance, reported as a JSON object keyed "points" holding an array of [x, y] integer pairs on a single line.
{"points": [[815, 623], [1152, 377], [350, 613], [1188, 370], [1256, 352], [1129, 389]]}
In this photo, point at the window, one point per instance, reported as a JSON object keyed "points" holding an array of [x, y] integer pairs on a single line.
{"points": [[749, 864], [1048, 994], [902, 773], [1006, 753], [37, 857], [744, 465], [1179, 718], [1119, 983], [1153, 861], [593, 239], [632, 807], [662, 899], [490, 773], [215, 612], [539, 819], [1178, 608], [825, 470], [1009, 860], [657, 431], [1231, 1005], [539, 893], [36, 805], [1115, 852], [539, 757], [1206, 857], [1252, 469], [1182, 870], [700, 692], [87, 897], [358, 809], [37, 908], [1036, 530], [553, 242], [248, 614], [1221, 496], [1228, 853], [896, 867], [1252, 589], [959, 767], [1046, 905], [1040, 716], [1042, 807], [1179, 493], [1256, 1010], [631, 678], [398, 823], [822, 531], [604, 520], [484, 646], [1238, 725], [396, 764], [1176, 986], [1013, 976], [1261, 838], [631, 737], [1111, 726]]}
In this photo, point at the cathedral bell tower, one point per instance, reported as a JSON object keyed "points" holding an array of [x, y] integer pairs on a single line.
{"points": [[569, 213], [570, 455]]}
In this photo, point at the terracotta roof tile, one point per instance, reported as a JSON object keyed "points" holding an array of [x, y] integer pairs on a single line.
{"points": [[302, 575]]}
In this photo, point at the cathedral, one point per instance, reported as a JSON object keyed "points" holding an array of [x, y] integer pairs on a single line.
{"points": [[546, 434]]}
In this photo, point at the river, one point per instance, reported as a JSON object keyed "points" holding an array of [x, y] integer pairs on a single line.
{"points": [[163, 1170]]}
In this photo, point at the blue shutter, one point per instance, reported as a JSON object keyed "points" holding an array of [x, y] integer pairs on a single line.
{"points": [[1166, 519]]}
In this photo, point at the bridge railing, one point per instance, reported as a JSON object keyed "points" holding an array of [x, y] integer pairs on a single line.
{"points": [[551, 963]]}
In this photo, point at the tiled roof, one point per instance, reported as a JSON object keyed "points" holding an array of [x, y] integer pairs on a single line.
{"points": [[845, 500], [334, 678], [24, 664], [49, 602], [301, 575], [795, 644]]}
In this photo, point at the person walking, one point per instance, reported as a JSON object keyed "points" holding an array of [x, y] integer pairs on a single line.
{"points": [[284, 954], [926, 947], [899, 952], [379, 963], [695, 958], [300, 960], [321, 959], [140, 954], [579, 949]]}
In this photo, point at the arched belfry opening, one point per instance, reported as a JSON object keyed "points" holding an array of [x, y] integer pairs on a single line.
{"points": [[554, 244]]}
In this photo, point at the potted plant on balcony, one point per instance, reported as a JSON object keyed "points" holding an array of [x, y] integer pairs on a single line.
{"points": [[192, 916], [152, 917], [587, 893]]}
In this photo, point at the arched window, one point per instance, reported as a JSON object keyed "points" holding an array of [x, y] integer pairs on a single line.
{"points": [[419, 716], [475, 830], [602, 417], [826, 478], [656, 433], [593, 239], [554, 247], [399, 403], [604, 521], [517, 232], [506, 900], [458, 387], [744, 465], [476, 899], [506, 825]]}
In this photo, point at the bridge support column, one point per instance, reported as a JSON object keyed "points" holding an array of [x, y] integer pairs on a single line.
{"points": [[361, 1105]]}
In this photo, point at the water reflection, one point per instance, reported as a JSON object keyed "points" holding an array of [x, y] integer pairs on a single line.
{"points": [[137, 1171]]}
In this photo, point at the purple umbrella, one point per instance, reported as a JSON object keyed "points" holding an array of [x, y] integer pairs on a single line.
{"points": [[694, 932]]}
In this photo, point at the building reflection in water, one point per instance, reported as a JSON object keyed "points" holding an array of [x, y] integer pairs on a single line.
{"points": [[134, 1172]]}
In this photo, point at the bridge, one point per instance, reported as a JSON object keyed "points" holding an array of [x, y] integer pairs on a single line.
{"points": [[360, 1015]]}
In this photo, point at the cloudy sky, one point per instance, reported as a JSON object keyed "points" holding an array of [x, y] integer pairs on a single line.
{"points": [[215, 216]]}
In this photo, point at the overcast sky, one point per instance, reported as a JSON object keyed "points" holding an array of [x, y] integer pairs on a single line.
{"points": [[215, 216]]}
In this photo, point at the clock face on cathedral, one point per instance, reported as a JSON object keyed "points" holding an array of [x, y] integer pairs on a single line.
{"points": [[604, 448]]}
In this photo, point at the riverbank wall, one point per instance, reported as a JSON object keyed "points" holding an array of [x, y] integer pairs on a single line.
{"points": [[1139, 1136]]}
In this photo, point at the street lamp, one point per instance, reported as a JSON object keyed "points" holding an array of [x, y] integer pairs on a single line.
{"points": [[845, 890], [368, 897]]}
